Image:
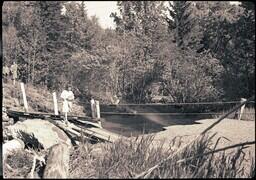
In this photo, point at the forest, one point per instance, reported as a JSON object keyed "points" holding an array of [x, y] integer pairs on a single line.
{"points": [[195, 51]]}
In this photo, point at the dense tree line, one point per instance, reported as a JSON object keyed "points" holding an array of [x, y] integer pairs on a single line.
{"points": [[195, 51]]}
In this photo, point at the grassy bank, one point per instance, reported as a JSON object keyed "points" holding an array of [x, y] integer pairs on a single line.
{"points": [[127, 159]]}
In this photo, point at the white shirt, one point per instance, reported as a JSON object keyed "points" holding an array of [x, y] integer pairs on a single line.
{"points": [[67, 96]]}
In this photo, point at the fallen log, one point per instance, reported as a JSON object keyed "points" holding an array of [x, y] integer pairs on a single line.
{"points": [[57, 165]]}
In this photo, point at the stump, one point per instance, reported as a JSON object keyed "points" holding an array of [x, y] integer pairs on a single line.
{"points": [[57, 165]]}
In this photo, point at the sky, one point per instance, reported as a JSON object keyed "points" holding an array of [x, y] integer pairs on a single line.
{"points": [[103, 9]]}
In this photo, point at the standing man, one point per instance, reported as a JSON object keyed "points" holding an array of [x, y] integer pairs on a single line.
{"points": [[14, 71], [71, 98], [68, 97], [6, 73]]}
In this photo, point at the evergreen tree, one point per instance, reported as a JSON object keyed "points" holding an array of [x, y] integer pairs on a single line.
{"points": [[54, 52], [26, 33], [10, 39], [180, 22]]}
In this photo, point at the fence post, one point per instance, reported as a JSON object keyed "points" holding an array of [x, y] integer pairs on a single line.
{"points": [[24, 96], [55, 103], [98, 112], [242, 109], [93, 108], [98, 109]]}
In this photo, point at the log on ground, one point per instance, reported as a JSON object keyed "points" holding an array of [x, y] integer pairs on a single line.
{"points": [[57, 165]]}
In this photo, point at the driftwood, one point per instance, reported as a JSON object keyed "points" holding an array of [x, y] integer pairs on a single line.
{"points": [[57, 165]]}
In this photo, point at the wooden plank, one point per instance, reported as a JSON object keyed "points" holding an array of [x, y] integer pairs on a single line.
{"points": [[31, 113], [87, 123], [105, 133], [93, 132], [98, 133]]}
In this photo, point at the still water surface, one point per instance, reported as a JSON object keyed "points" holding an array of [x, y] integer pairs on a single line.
{"points": [[128, 125]]}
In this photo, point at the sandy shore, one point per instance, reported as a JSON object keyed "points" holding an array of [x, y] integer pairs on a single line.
{"points": [[236, 131]]}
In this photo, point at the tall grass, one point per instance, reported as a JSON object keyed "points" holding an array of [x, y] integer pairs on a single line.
{"points": [[126, 159], [249, 114], [17, 165]]}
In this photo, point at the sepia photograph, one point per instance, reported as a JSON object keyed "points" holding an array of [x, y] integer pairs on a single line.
{"points": [[128, 89]]}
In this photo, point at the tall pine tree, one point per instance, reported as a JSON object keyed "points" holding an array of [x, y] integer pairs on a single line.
{"points": [[179, 20], [53, 49]]}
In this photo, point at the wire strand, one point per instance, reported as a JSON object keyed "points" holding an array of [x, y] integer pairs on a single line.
{"points": [[135, 113], [173, 104]]}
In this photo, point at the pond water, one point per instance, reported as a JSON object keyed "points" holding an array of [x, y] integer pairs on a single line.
{"points": [[134, 125], [122, 120]]}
